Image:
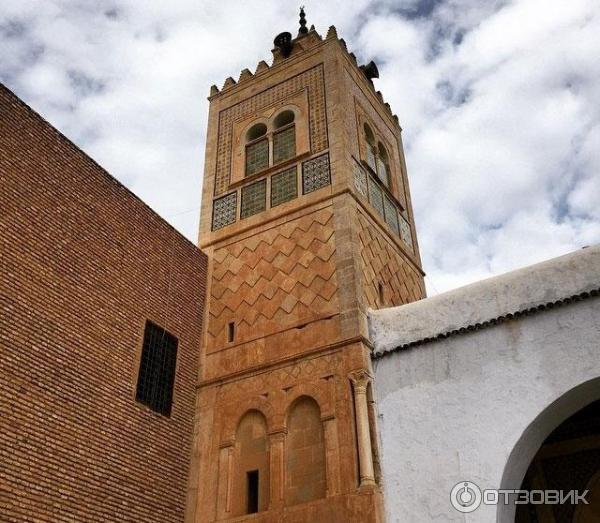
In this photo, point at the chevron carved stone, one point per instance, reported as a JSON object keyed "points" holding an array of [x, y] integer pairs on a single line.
{"points": [[383, 263], [274, 279]]}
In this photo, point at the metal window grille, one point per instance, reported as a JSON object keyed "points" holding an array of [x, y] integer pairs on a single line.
{"points": [[391, 215], [315, 174], [405, 234], [284, 186], [376, 196], [382, 172], [156, 375], [284, 144], [360, 179], [257, 156], [224, 209], [254, 198]]}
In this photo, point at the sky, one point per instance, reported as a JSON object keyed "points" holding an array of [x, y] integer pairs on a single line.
{"points": [[499, 102]]}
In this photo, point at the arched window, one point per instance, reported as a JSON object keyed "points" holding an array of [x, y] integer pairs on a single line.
{"points": [[251, 480], [382, 165], [257, 149], [284, 137], [371, 151], [377, 156], [305, 453]]}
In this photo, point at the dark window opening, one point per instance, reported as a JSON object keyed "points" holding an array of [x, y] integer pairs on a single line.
{"points": [[230, 331], [252, 485], [156, 375]]}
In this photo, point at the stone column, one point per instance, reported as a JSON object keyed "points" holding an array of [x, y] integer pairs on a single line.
{"points": [[277, 467], [360, 380], [226, 450]]}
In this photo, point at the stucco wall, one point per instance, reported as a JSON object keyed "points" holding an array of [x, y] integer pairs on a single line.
{"points": [[454, 409]]}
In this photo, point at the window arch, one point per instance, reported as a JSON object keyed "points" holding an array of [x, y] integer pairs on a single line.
{"points": [[284, 137], [305, 453], [251, 479], [383, 168], [377, 156], [257, 149]]}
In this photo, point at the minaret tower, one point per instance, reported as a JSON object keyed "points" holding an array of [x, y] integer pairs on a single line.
{"points": [[307, 223]]}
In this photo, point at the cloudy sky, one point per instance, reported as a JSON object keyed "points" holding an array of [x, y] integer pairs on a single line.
{"points": [[499, 102]]}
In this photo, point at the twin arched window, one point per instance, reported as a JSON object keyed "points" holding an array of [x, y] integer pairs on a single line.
{"points": [[264, 147], [377, 157]]}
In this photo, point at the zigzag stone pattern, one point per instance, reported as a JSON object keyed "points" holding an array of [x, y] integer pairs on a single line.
{"points": [[274, 279], [383, 263]]}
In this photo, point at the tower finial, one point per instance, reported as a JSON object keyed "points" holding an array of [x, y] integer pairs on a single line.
{"points": [[303, 30]]}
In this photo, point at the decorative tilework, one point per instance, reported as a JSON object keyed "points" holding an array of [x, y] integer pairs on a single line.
{"points": [[391, 214], [254, 198], [315, 174], [257, 156], [284, 144], [284, 186], [224, 210], [312, 80], [405, 234], [376, 196], [360, 179]]}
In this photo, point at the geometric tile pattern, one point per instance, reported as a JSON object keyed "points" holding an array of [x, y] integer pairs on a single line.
{"points": [[257, 156], [272, 279], [405, 234], [284, 186], [391, 214], [315, 174], [360, 179], [254, 199], [383, 264], [376, 196], [284, 144], [224, 210], [312, 80]]}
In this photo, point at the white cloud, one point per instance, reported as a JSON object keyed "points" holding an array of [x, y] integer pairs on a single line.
{"points": [[498, 101]]}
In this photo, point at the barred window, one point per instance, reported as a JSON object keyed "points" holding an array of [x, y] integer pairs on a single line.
{"points": [[257, 156], [284, 186], [156, 375], [254, 198], [284, 144]]}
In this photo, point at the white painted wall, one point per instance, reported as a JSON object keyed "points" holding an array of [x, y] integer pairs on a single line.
{"points": [[454, 410]]}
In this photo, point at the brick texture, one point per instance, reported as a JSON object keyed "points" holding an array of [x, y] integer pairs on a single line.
{"points": [[84, 264]]}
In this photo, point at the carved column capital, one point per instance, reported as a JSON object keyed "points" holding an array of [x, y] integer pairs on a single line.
{"points": [[360, 380]]}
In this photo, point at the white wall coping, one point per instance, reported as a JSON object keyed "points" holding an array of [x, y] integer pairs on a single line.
{"points": [[548, 282]]}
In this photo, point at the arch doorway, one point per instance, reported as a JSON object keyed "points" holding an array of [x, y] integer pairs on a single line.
{"points": [[569, 459], [559, 451]]}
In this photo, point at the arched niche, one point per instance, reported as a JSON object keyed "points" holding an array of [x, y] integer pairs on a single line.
{"points": [[251, 465], [305, 467]]}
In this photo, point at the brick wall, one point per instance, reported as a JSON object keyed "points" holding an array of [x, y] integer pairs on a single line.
{"points": [[84, 264]]}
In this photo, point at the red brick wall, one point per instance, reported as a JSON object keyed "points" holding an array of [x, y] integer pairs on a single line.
{"points": [[83, 264]]}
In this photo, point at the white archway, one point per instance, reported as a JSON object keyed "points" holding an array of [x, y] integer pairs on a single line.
{"points": [[536, 432]]}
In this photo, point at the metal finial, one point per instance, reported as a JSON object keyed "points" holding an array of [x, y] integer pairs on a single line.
{"points": [[303, 29]]}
